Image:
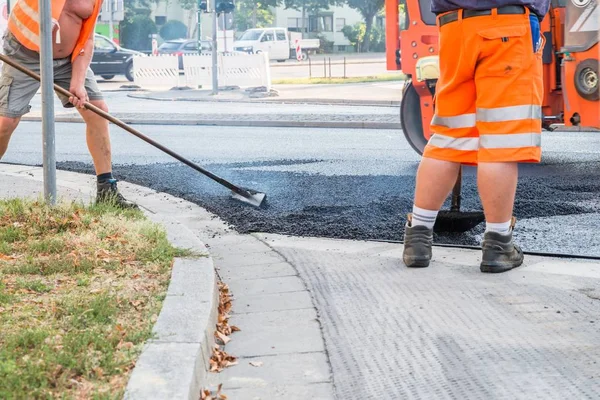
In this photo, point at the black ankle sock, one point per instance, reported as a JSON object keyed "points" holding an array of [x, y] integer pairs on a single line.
{"points": [[102, 178]]}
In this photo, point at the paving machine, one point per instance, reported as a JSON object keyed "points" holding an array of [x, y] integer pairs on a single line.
{"points": [[570, 58], [570, 65]]}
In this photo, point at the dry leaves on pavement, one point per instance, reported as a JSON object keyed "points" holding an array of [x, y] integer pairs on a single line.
{"points": [[206, 394], [224, 330]]}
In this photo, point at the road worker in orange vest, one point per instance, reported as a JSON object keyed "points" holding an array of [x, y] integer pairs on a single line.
{"points": [[73, 46], [487, 113]]}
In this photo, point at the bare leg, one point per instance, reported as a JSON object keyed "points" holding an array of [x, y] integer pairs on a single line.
{"points": [[7, 127], [497, 184], [435, 180], [98, 138]]}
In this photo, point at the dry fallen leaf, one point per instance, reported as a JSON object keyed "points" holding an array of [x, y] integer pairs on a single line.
{"points": [[4, 257], [256, 363], [225, 339]]}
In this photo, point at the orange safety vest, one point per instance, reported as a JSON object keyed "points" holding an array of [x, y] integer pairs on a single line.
{"points": [[24, 24]]}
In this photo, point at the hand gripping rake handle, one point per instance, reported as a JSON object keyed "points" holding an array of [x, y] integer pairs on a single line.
{"points": [[240, 191]]}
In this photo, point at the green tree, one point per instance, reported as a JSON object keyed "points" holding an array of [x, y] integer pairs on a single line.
{"points": [[136, 31], [355, 34], [368, 9], [253, 14], [173, 30]]}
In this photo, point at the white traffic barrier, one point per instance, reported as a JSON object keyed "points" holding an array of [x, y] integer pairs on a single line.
{"points": [[198, 71], [243, 70], [156, 71]]}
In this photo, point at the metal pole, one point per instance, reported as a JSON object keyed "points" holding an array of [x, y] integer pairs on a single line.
{"points": [[110, 20], [344, 67], [8, 7], [47, 74], [324, 67], [329, 67], [215, 60], [309, 68], [199, 27]]}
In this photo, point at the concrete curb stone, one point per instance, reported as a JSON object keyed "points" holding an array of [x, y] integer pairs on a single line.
{"points": [[275, 100], [174, 364], [263, 123]]}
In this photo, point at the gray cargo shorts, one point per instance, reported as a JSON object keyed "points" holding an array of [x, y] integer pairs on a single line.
{"points": [[17, 89]]}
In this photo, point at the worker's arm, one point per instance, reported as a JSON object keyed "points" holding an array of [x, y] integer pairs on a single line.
{"points": [[80, 67]]}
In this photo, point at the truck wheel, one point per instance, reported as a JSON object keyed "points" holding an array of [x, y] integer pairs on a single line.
{"points": [[586, 79], [107, 77], [303, 56], [410, 119]]}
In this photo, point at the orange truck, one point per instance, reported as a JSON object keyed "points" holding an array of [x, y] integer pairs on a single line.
{"points": [[570, 58]]}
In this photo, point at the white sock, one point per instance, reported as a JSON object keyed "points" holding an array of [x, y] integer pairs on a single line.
{"points": [[502, 228], [423, 217]]}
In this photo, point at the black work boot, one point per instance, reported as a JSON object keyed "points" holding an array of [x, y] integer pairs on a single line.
{"points": [[500, 254], [417, 245], [109, 193]]}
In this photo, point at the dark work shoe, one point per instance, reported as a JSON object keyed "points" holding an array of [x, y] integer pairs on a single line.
{"points": [[418, 241], [500, 254], [109, 193]]}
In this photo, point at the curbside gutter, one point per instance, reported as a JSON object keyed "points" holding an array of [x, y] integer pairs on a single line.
{"points": [[273, 100], [174, 363], [218, 122]]}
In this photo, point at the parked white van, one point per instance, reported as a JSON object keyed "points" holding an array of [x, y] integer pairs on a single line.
{"points": [[277, 42]]}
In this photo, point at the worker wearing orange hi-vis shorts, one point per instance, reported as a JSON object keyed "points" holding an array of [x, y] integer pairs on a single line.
{"points": [[487, 113]]}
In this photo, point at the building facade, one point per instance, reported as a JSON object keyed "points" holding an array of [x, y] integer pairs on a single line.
{"points": [[327, 23]]}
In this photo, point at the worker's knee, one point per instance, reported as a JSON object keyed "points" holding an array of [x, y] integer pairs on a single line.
{"points": [[101, 104], [92, 119], [8, 126]]}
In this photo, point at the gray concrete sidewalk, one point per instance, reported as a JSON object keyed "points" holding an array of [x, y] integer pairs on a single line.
{"points": [[324, 319], [370, 93]]}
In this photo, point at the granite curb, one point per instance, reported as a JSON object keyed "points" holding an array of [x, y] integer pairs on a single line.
{"points": [[173, 364]]}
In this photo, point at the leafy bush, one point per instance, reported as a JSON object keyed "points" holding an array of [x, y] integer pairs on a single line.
{"points": [[136, 31], [356, 35], [173, 30], [326, 46]]}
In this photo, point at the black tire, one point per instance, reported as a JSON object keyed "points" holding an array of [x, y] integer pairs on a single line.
{"points": [[410, 119], [586, 79], [129, 72], [107, 77], [281, 61]]}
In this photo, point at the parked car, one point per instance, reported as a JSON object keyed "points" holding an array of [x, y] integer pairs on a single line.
{"points": [[180, 47], [111, 59], [277, 42]]}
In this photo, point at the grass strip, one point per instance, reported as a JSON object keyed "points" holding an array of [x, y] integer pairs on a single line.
{"points": [[80, 290]]}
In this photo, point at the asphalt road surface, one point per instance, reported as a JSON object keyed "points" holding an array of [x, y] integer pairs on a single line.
{"points": [[355, 184]]}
